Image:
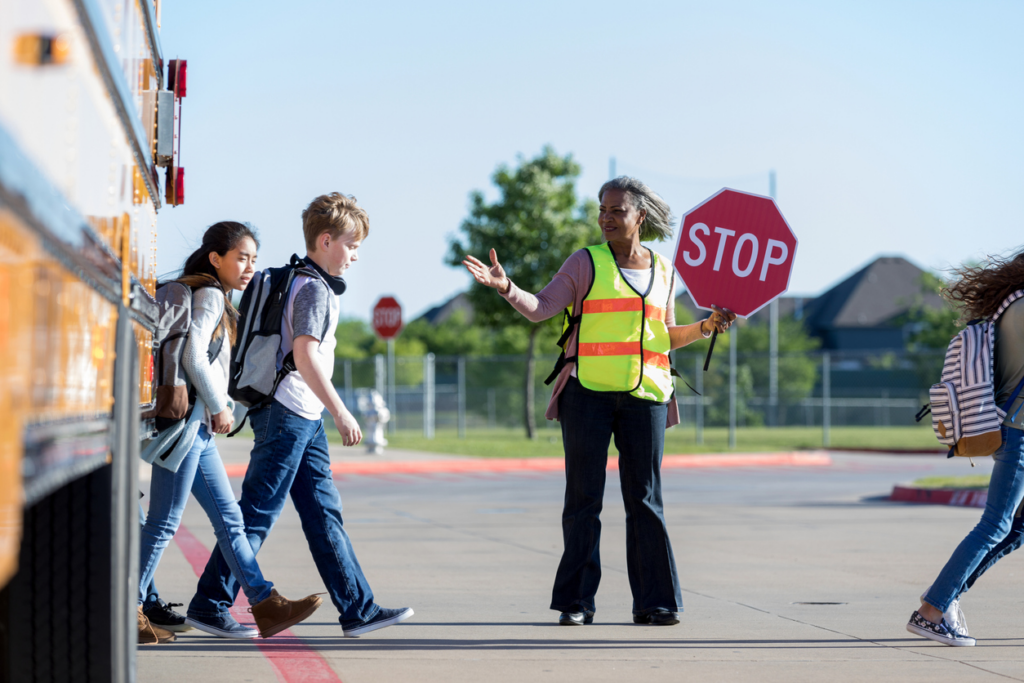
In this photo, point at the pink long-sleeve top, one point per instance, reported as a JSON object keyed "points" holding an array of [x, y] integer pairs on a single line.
{"points": [[569, 286]]}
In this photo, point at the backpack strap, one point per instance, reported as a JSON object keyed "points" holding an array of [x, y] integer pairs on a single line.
{"points": [[573, 323], [1006, 304]]}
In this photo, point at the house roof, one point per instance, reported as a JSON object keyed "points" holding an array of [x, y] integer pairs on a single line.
{"points": [[438, 314], [871, 297]]}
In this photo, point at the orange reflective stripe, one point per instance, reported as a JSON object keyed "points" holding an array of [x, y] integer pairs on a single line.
{"points": [[612, 305], [609, 349], [591, 306], [658, 359]]}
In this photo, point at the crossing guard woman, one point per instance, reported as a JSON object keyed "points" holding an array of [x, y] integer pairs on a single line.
{"points": [[613, 381]]}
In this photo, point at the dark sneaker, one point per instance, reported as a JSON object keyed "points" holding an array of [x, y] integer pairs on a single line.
{"points": [[384, 618], [940, 633], [150, 634], [659, 617], [276, 613], [162, 614], [583, 616], [223, 626]]}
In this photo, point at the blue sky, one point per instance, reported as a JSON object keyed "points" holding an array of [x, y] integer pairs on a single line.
{"points": [[894, 127]]}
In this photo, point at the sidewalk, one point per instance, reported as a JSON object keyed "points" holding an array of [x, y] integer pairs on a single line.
{"points": [[789, 573]]}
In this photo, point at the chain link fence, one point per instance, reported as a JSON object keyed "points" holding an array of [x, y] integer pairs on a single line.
{"points": [[821, 389]]}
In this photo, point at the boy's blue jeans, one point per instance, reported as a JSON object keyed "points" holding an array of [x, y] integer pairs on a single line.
{"points": [[201, 473], [290, 456], [994, 535]]}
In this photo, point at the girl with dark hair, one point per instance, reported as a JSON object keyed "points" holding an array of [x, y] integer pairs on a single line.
{"points": [[225, 262], [979, 292]]}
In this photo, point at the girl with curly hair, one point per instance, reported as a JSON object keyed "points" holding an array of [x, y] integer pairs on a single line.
{"points": [[979, 291]]}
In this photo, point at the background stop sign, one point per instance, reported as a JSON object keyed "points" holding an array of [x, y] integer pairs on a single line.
{"points": [[735, 250], [387, 317]]}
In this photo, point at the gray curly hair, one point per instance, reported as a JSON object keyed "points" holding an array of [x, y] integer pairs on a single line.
{"points": [[657, 224]]}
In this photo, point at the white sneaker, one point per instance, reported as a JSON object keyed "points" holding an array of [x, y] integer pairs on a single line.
{"points": [[940, 633]]}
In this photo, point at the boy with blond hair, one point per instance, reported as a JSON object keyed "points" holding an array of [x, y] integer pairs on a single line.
{"points": [[290, 454]]}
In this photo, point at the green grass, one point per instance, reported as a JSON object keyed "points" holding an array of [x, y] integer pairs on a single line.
{"points": [[973, 481], [511, 443]]}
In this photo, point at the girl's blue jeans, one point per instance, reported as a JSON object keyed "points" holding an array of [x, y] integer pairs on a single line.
{"points": [[992, 537], [202, 474]]}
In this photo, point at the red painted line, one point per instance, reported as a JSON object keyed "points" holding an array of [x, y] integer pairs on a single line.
{"points": [[968, 498], [502, 465], [292, 660]]}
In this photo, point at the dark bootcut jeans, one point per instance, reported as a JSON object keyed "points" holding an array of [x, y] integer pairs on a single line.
{"points": [[589, 421], [290, 456]]}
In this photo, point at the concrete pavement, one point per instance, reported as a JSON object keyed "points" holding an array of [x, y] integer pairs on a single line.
{"points": [[788, 573]]}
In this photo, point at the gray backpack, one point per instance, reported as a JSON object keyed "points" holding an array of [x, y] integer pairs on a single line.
{"points": [[173, 391], [254, 375]]}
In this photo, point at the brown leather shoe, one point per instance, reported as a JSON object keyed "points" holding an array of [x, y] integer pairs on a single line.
{"points": [[276, 613], [150, 634]]}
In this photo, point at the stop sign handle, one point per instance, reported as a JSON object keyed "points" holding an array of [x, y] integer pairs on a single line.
{"points": [[707, 361]]}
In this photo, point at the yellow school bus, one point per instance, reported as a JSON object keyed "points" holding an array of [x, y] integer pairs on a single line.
{"points": [[88, 107]]}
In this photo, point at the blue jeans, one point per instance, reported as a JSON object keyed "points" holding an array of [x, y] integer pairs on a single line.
{"points": [[992, 537], [290, 456], [589, 421], [150, 595], [202, 473]]}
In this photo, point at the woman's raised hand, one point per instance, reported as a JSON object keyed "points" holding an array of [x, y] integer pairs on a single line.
{"points": [[720, 319], [494, 276]]}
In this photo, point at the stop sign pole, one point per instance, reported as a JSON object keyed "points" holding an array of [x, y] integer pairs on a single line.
{"points": [[734, 250], [387, 323]]}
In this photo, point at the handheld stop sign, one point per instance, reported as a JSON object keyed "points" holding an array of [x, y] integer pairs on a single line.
{"points": [[734, 250]]}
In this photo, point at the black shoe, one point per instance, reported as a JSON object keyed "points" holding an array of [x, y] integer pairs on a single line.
{"points": [[384, 618], [162, 614], [576, 618], [659, 617]]}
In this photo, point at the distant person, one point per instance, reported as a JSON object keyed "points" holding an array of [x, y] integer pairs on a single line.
{"points": [[980, 292], [615, 294], [225, 262], [290, 454]]}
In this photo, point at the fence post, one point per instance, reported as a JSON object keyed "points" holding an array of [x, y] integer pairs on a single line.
{"points": [[428, 396], [733, 341], [773, 364], [462, 397], [392, 400], [492, 409], [826, 400], [348, 386], [378, 374], [698, 417]]}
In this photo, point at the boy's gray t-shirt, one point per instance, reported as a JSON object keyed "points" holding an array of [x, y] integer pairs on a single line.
{"points": [[1009, 350], [309, 303]]}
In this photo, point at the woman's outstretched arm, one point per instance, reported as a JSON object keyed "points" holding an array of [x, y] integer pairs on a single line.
{"points": [[547, 303]]}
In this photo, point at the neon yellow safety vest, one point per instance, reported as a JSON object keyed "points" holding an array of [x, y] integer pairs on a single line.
{"points": [[623, 341]]}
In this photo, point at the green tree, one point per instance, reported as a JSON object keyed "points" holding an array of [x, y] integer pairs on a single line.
{"points": [[930, 330], [798, 369], [537, 223], [930, 327]]}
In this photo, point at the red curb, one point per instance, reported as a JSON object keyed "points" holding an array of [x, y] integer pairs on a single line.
{"points": [[292, 660], [499, 465], [969, 498], [893, 451]]}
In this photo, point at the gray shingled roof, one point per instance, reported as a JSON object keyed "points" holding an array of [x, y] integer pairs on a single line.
{"points": [[871, 297]]}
